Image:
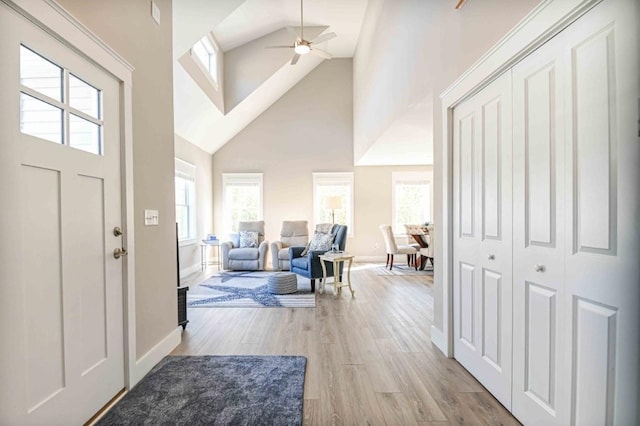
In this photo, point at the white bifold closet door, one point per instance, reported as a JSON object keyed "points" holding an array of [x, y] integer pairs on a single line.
{"points": [[482, 234], [576, 242]]}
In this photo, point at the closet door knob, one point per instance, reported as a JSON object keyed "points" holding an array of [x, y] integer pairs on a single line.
{"points": [[491, 256], [539, 268]]}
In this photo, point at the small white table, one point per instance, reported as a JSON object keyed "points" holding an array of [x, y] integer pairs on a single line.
{"points": [[204, 245], [337, 259]]}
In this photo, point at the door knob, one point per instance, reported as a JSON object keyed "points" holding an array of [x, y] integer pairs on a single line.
{"points": [[117, 231], [491, 256], [539, 268], [118, 252]]}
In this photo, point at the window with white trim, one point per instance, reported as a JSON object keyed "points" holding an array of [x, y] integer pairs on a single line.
{"points": [[333, 199], [185, 201], [57, 105], [241, 199], [410, 199], [205, 51]]}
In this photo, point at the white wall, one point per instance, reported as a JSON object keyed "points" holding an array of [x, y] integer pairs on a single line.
{"points": [[409, 52], [392, 91], [186, 151], [309, 130], [128, 28], [250, 65]]}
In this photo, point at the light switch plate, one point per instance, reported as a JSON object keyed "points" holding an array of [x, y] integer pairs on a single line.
{"points": [[155, 12], [151, 217]]}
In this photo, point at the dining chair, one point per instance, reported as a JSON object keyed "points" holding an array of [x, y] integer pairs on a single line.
{"points": [[393, 248]]}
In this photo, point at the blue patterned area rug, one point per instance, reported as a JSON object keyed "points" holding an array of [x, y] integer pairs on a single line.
{"points": [[215, 390], [242, 289]]}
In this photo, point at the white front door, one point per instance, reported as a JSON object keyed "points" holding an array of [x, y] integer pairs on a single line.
{"points": [[482, 237], [61, 300]]}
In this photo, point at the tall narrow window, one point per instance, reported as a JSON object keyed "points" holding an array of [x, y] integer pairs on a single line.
{"points": [[206, 52], [57, 105], [242, 199], [333, 199], [411, 199], [185, 201]]}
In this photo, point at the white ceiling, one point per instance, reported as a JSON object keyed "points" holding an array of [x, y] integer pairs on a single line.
{"points": [[256, 18], [242, 30], [240, 27]]}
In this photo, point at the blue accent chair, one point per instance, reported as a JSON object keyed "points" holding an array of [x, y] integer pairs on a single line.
{"points": [[309, 265]]}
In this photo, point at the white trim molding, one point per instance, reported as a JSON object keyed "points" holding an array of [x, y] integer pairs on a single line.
{"points": [[196, 267], [155, 354], [540, 25], [64, 27]]}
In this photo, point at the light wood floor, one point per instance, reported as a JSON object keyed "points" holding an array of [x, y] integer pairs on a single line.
{"points": [[370, 360]]}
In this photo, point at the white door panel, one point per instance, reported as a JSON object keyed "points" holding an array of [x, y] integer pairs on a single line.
{"points": [[591, 271], [65, 301], [539, 366], [603, 199], [482, 247]]}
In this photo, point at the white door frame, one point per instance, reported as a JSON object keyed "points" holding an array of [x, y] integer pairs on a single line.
{"points": [[541, 24], [53, 19]]}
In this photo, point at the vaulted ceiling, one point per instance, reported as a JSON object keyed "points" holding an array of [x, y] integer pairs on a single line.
{"points": [[253, 77]]}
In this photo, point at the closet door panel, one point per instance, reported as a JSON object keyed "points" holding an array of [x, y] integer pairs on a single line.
{"points": [[539, 156], [492, 199], [482, 230], [539, 365], [603, 200]]}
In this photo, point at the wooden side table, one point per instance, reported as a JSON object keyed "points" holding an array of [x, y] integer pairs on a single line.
{"points": [[337, 259]]}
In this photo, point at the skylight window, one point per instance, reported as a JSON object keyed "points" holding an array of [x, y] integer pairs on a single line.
{"points": [[206, 52]]}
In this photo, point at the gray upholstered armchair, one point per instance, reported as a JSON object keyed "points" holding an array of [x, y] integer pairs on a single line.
{"points": [[294, 233], [247, 250]]}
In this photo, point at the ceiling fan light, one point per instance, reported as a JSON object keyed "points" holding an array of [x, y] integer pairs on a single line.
{"points": [[302, 49]]}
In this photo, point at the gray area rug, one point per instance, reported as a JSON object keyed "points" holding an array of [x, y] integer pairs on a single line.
{"points": [[247, 289], [215, 390]]}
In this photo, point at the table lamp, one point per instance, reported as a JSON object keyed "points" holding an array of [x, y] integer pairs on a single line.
{"points": [[333, 203]]}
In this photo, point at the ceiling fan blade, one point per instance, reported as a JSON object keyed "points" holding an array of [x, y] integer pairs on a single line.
{"points": [[321, 53], [322, 38], [279, 47], [294, 59]]}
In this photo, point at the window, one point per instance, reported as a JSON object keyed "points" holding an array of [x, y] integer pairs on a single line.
{"points": [[206, 53], [185, 201], [411, 199], [333, 199], [242, 199], [57, 105]]}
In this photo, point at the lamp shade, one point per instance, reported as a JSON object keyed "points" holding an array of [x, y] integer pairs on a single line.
{"points": [[333, 202]]}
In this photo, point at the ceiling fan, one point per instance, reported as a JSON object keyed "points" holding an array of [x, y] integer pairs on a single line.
{"points": [[302, 46]]}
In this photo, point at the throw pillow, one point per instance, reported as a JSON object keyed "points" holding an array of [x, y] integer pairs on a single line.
{"points": [[324, 228], [248, 239], [320, 241]]}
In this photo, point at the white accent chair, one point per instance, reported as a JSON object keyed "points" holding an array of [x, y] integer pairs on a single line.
{"points": [[294, 233], [393, 248], [238, 258], [425, 234]]}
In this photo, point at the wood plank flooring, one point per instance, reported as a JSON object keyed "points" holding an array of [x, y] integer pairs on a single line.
{"points": [[370, 359]]}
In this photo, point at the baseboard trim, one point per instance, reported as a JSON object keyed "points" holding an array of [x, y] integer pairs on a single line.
{"points": [[151, 358], [190, 270], [437, 338]]}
